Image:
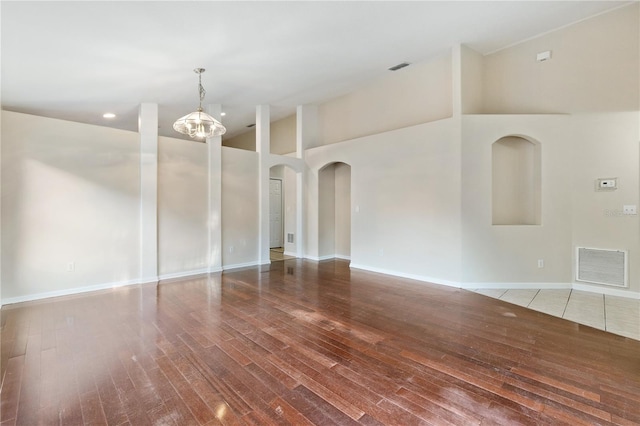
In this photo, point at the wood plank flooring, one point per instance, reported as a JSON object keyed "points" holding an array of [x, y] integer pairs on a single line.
{"points": [[305, 343]]}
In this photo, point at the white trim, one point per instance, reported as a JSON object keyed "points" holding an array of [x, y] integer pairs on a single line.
{"points": [[320, 258], [607, 291], [467, 285], [176, 275], [328, 257], [288, 253], [512, 286], [423, 278], [146, 280], [243, 265], [71, 291]]}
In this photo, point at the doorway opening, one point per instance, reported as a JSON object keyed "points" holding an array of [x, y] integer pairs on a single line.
{"points": [[334, 215], [282, 213]]}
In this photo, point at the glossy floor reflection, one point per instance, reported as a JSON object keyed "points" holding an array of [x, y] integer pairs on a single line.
{"points": [[619, 315], [302, 343], [277, 254]]}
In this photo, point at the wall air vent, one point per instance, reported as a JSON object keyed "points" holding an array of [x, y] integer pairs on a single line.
{"points": [[399, 66], [608, 267]]}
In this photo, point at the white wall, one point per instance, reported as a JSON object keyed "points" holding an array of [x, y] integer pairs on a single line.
{"points": [[343, 210], [420, 193], [405, 200], [471, 81], [282, 136], [70, 193], [0, 194], [509, 254], [606, 145], [417, 94], [182, 206], [327, 212], [595, 67], [290, 208], [246, 141], [239, 207], [334, 215], [515, 178], [594, 75]]}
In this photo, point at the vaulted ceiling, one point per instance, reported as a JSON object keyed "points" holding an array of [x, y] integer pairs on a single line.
{"points": [[76, 60]]}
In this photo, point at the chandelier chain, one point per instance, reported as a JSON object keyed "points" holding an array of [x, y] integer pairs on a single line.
{"points": [[201, 89]]}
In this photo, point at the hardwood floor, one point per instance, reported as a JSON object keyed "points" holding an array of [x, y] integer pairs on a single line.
{"points": [[308, 343]]}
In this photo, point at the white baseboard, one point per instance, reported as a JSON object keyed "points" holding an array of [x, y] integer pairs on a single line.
{"points": [[71, 291], [289, 253], [606, 290], [503, 285], [242, 265], [184, 274], [423, 278], [416, 277], [524, 286], [327, 257], [320, 258]]}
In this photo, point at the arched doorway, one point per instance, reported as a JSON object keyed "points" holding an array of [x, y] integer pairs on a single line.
{"points": [[334, 211]]}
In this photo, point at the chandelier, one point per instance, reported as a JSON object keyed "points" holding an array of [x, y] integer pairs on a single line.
{"points": [[199, 124]]}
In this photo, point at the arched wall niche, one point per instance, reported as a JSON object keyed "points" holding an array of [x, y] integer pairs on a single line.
{"points": [[516, 181]]}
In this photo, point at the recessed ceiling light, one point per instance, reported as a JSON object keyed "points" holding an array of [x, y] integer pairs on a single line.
{"points": [[109, 115]]}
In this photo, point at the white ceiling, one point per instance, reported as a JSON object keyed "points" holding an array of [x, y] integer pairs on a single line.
{"points": [[76, 60]]}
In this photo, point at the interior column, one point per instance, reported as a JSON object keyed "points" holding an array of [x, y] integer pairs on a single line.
{"points": [[214, 214], [263, 146], [148, 130]]}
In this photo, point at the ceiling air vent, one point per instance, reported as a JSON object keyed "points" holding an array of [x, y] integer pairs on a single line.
{"points": [[399, 66]]}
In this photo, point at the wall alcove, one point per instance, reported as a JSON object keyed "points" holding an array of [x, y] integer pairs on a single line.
{"points": [[516, 181]]}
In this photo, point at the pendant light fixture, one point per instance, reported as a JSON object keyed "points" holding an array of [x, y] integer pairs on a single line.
{"points": [[199, 124]]}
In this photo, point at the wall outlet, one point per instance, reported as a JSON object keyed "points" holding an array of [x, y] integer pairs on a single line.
{"points": [[629, 209], [543, 56], [71, 267], [231, 249], [381, 252], [540, 263]]}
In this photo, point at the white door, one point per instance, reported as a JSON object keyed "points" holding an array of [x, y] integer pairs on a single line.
{"points": [[275, 213]]}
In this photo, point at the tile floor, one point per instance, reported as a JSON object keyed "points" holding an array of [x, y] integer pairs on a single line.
{"points": [[618, 315]]}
